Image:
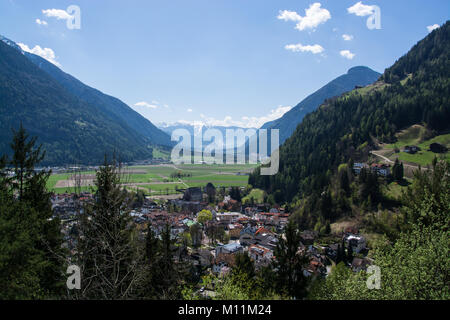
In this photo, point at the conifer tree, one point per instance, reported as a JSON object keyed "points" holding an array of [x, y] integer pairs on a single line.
{"points": [[31, 253], [289, 264], [108, 254]]}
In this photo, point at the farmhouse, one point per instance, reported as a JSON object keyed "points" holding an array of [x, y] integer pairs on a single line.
{"points": [[411, 149]]}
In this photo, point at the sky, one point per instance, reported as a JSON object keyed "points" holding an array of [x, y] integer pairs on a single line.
{"points": [[217, 62]]}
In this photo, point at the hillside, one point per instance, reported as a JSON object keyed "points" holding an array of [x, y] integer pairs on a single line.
{"points": [[106, 103], [416, 135], [357, 76], [71, 130], [414, 90]]}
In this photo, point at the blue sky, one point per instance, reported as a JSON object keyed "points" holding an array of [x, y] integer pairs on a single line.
{"points": [[222, 62]]}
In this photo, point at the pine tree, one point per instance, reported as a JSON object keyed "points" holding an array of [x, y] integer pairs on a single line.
{"points": [[107, 251], [31, 252], [289, 264]]}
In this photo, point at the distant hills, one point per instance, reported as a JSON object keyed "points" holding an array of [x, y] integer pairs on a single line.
{"points": [[76, 123], [357, 76]]}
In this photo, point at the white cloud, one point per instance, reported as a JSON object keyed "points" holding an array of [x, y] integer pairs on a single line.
{"points": [[145, 104], [360, 9], [347, 54], [314, 16], [315, 49], [244, 122], [432, 27], [46, 53], [347, 37], [189, 110], [57, 13], [287, 15], [41, 22]]}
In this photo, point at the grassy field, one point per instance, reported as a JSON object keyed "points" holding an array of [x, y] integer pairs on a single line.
{"points": [[256, 194], [417, 135], [158, 178], [394, 190]]}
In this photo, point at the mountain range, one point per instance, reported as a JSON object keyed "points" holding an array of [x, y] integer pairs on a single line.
{"points": [[74, 122]]}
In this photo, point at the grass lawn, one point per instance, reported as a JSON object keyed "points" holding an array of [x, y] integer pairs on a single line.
{"points": [[423, 157], [256, 194], [394, 190]]}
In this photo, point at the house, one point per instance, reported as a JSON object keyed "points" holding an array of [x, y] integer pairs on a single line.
{"points": [[266, 240], [193, 194], [228, 217], [229, 249], [261, 255], [357, 242], [263, 231], [359, 264], [332, 251], [235, 232], [308, 236], [358, 166], [380, 169], [246, 235], [411, 149]]}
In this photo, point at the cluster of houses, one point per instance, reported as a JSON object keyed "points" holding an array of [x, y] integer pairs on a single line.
{"points": [[380, 169], [250, 229]]}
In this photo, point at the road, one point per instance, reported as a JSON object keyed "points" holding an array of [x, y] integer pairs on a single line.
{"points": [[391, 162]]}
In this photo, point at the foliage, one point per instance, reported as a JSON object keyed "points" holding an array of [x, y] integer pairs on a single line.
{"points": [[333, 134], [107, 252], [289, 264], [71, 129], [31, 257], [204, 215]]}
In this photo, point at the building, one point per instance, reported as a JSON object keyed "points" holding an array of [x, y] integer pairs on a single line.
{"points": [[411, 149], [193, 194], [357, 242], [380, 169], [246, 235], [260, 254], [358, 166], [229, 249]]}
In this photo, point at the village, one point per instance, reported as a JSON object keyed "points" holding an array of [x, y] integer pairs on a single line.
{"points": [[209, 236]]}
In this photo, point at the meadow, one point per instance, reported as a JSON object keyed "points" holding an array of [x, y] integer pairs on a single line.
{"points": [[162, 179], [416, 135]]}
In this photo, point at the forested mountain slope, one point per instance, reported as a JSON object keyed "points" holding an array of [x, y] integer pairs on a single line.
{"points": [[106, 103], [414, 90], [71, 130], [356, 76]]}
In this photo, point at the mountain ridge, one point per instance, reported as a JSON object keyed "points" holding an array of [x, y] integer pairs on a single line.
{"points": [[355, 76], [71, 130]]}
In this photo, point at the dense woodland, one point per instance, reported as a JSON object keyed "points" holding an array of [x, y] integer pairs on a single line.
{"points": [[415, 89]]}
